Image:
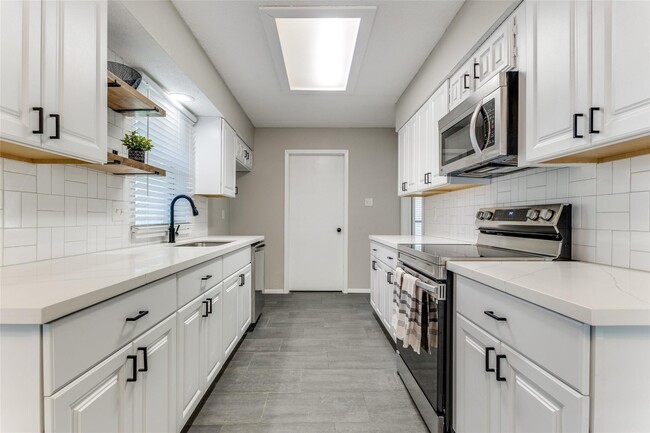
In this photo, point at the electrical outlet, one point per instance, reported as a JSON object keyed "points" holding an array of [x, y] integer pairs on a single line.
{"points": [[118, 212], [368, 202]]}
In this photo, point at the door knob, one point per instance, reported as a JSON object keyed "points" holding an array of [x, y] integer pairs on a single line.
{"points": [[338, 230]]}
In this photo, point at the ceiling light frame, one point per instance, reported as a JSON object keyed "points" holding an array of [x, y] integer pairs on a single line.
{"points": [[366, 14]]}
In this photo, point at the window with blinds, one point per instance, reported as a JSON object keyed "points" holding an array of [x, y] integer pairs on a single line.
{"points": [[417, 216], [173, 142]]}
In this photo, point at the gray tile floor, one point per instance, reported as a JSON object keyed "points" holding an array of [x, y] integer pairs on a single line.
{"points": [[316, 363]]}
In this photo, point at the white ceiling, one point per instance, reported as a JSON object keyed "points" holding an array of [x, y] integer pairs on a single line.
{"points": [[403, 35]]}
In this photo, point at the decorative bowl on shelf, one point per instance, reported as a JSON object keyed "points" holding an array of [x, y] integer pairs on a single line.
{"points": [[126, 73]]}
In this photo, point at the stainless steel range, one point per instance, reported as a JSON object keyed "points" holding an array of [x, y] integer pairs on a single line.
{"points": [[536, 232]]}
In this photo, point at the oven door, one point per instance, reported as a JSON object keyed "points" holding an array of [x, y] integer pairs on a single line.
{"points": [[427, 369], [473, 135]]}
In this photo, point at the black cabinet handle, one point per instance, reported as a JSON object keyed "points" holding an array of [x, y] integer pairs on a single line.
{"points": [[498, 373], [140, 315], [134, 371], [465, 78], [575, 125], [487, 359], [40, 120], [242, 280], [145, 359], [207, 313], [57, 127], [389, 278], [374, 265], [209, 305], [236, 190], [374, 249], [494, 316], [592, 110], [476, 77], [206, 278], [338, 230]]}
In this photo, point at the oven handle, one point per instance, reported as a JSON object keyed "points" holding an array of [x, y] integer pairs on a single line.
{"points": [[439, 290], [472, 129]]}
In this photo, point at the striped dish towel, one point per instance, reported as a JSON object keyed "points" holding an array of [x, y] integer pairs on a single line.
{"points": [[397, 287], [432, 331], [411, 311]]}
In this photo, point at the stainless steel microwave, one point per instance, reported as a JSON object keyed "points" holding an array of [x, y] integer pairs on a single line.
{"points": [[478, 138]]}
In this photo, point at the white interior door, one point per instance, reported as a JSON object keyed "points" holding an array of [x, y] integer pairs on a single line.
{"points": [[315, 210]]}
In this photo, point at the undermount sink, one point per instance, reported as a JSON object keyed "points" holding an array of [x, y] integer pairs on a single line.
{"points": [[203, 244]]}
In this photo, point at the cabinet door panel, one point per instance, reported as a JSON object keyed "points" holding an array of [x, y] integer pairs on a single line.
{"points": [[229, 162], [374, 301], [621, 70], [244, 301], [74, 77], [229, 333], [99, 401], [495, 55], [213, 340], [461, 84], [535, 401], [557, 77], [190, 380], [154, 403], [402, 147], [20, 70], [412, 152], [425, 159], [439, 108], [477, 391]]}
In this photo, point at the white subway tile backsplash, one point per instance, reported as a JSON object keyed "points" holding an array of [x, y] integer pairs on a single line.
{"points": [[51, 202], [611, 207], [101, 185], [12, 209], [70, 211], [75, 234], [48, 218], [58, 242], [44, 179], [44, 244], [75, 248], [92, 183], [28, 210], [76, 174], [76, 189], [19, 182], [15, 166], [621, 176], [19, 237], [58, 181], [16, 255], [82, 212]]}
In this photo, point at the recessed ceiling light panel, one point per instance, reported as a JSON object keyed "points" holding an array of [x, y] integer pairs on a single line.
{"points": [[318, 48], [318, 52]]}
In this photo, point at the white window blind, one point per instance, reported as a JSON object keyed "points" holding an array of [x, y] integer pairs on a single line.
{"points": [[173, 151], [417, 216]]}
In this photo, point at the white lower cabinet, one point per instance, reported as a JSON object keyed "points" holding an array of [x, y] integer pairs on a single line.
{"points": [[154, 391], [212, 334], [98, 401], [244, 300], [382, 279], [230, 324]]}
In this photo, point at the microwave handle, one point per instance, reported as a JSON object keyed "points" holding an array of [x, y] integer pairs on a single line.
{"points": [[472, 129]]}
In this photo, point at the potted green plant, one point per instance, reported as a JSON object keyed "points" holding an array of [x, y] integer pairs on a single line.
{"points": [[137, 145]]}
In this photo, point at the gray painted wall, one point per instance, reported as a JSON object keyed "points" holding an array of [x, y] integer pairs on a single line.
{"points": [[165, 25], [259, 207], [473, 20]]}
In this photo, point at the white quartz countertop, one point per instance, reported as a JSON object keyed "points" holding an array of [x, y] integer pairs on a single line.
{"points": [[394, 240], [39, 292], [594, 294]]}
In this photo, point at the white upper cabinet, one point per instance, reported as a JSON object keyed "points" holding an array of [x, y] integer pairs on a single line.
{"points": [[403, 160], [58, 48], [215, 163], [496, 54], [20, 71], [587, 69], [620, 93], [425, 159], [461, 84], [557, 77]]}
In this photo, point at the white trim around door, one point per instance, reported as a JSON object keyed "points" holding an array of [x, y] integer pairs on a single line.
{"points": [[287, 155]]}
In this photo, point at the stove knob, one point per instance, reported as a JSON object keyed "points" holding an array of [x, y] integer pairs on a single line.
{"points": [[487, 215], [546, 214], [479, 215], [532, 214]]}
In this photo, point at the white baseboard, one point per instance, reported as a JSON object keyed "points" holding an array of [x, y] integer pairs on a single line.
{"points": [[274, 292], [357, 290]]}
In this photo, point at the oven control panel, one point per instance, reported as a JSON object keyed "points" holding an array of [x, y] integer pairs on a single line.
{"points": [[538, 214]]}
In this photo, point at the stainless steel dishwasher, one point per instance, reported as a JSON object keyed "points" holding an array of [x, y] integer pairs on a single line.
{"points": [[257, 298]]}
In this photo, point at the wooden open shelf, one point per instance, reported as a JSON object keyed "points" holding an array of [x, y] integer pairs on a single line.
{"points": [[120, 165], [127, 101]]}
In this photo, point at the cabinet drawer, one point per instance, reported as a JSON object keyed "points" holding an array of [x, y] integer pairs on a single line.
{"points": [[235, 261], [75, 343], [198, 279], [555, 342], [385, 254]]}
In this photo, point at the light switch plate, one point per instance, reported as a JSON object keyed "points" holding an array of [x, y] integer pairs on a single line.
{"points": [[368, 202]]}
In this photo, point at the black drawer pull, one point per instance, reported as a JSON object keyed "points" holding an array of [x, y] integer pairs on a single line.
{"points": [[592, 110], [487, 359], [145, 359], [207, 312], [134, 371], [374, 265], [575, 125], [209, 305], [140, 315], [40, 120], [242, 280], [476, 77], [494, 316], [206, 278], [465, 84], [389, 258], [498, 373], [57, 127]]}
